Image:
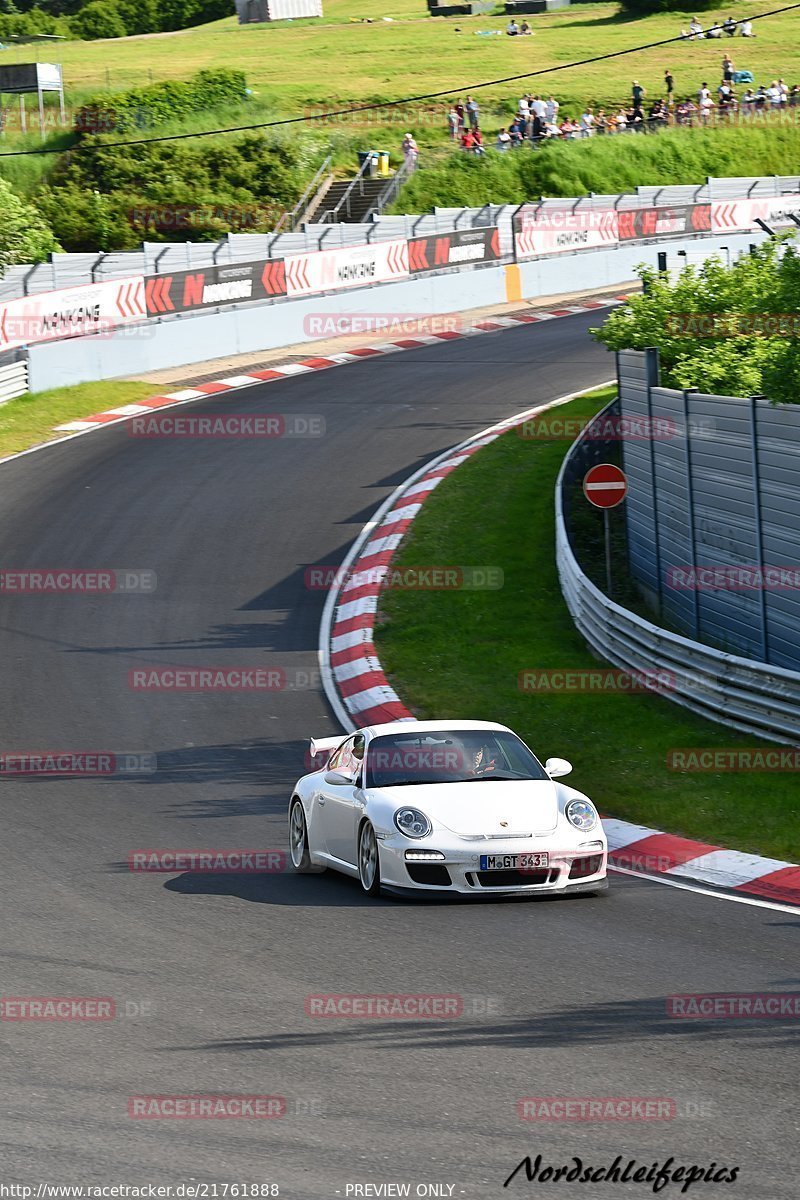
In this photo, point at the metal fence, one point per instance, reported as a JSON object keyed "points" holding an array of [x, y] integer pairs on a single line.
{"points": [[70, 270], [13, 374], [736, 691], [713, 513]]}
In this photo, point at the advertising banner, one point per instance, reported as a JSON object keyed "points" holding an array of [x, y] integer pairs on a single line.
{"points": [[458, 248], [72, 312], [540, 231], [738, 214], [637, 224], [781, 209], [209, 287], [352, 266]]}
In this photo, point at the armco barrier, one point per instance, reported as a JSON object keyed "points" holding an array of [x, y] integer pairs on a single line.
{"points": [[739, 692], [13, 375]]}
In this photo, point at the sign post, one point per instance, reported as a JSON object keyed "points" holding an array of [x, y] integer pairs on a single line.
{"points": [[605, 486]]}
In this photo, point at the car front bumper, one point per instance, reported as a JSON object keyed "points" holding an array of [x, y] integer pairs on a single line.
{"points": [[578, 868]]}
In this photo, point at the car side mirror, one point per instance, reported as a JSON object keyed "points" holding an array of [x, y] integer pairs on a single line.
{"points": [[556, 767], [338, 779]]}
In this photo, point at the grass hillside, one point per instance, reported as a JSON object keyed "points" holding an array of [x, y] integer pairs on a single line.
{"points": [[299, 65]]}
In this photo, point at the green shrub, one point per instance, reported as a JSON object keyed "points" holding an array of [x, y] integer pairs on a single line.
{"points": [[158, 103], [24, 234], [603, 165], [728, 361]]}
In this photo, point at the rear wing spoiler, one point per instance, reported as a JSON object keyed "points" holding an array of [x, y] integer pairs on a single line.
{"points": [[329, 744]]}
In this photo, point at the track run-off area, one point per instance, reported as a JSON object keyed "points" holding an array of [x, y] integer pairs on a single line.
{"points": [[210, 973]]}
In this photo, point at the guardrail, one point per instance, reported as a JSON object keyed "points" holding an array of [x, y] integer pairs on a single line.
{"points": [[738, 692], [13, 375]]}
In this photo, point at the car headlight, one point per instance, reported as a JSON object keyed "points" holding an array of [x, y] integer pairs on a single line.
{"points": [[581, 814], [412, 822]]}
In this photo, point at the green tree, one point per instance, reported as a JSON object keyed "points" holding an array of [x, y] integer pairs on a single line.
{"points": [[99, 19], [25, 235], [712, 324]]}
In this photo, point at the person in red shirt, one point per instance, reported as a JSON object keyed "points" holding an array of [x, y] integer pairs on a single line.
{"points": [[468, 140]]}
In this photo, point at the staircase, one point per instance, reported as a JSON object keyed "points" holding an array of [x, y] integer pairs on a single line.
{"points": [[337, 206]]}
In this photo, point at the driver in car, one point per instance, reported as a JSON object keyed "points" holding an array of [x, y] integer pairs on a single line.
{"points": [[485, 760]]}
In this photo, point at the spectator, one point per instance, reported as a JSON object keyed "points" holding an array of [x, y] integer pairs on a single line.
{"points": [[703, 93], [538, 107], [658, 115], [638, 93], [551, 109], [410, 152], [568, 129], [669, 81], [748, 100], [746, 29], [705, 106], [472, 112], [459, 107], [794, 96], [517, 130], [695, 28], [503, 140], [636, 119], [621, 121], [784, 92], [538, 129], [523, 108], [682, 112], [587, 122], [468, 140], [727, 68], [774, 95], [761, 99], [714, 31], [512, 29], [478, 138], [601, 124], [453, 123], [525, 29], [729, 26]]}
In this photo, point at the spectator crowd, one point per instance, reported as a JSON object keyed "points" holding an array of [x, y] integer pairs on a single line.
{"points": [[539, 118]]}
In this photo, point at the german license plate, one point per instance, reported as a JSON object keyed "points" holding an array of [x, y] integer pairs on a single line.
{"points": [[514, 862]]}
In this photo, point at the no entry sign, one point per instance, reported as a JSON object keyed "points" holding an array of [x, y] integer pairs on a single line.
{"points": [[605, 486]]}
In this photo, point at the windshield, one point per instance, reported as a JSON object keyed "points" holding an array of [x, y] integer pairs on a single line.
{"points": [[449, 756]]}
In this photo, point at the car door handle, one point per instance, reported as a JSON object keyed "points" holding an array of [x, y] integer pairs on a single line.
{"points": [[321, 801]]}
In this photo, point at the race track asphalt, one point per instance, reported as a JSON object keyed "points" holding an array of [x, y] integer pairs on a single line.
{"points": [[209, 973]]}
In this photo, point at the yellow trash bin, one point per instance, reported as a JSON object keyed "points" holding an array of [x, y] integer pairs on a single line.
{"points": [[383, 162]]}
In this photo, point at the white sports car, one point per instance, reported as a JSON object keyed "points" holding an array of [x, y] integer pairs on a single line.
{"points": [[445, 806]]}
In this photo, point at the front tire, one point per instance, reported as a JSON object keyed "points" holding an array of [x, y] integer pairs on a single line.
{"points": [[298, 841], [369, 865]]}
